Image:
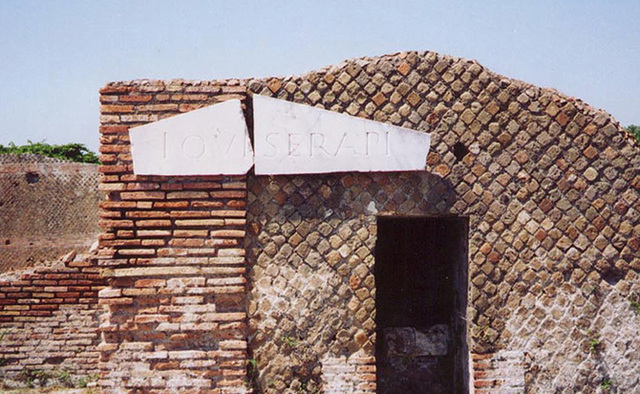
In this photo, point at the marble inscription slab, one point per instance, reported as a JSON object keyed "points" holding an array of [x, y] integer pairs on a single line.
{"points": [[208, 141], [293, 138]]}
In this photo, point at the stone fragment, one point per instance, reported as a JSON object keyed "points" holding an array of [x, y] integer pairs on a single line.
{"points": [[209, 141], [293, 138], [411, 341]]}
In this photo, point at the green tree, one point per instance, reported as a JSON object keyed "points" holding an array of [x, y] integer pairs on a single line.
{"points": [[635, 131], [71, 152]]}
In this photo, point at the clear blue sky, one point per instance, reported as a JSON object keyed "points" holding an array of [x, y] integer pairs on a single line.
{"points": [[55, 55]]}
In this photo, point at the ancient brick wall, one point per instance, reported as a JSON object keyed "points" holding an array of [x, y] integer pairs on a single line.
{"points": [[550, 187], [48, 207], [49, 318]]}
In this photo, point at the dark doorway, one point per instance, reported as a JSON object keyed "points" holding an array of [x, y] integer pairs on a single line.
{"points": [[421, 299]]}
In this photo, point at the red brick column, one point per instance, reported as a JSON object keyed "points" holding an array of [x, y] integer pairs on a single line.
{"points": [[172, 252]]}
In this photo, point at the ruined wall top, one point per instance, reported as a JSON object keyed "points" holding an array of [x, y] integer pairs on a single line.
{"points": [[413, 65], [48, 207]]}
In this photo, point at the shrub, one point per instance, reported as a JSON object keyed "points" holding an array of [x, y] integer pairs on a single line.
{"points": [[71, 152], [635, 131]]}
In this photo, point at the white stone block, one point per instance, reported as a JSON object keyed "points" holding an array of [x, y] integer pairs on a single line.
{"points": [[293, 138], [208, 141]]}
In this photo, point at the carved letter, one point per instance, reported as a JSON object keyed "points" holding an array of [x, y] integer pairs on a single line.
{"points": [[319, 145], [343, 145], [377, 140], [233, 138], [193, 146], [164, 144], [293, 145], [272, 144], [388, 145]]}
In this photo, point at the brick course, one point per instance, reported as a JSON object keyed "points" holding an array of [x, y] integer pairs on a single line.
{"points": [[49, 317]]}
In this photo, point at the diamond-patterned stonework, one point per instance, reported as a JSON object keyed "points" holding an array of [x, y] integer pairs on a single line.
{"points": [[550, 186], [48, 207], [310, 243]]}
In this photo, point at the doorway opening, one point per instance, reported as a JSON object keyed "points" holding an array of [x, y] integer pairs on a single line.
{"points": [[421, 301]]}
